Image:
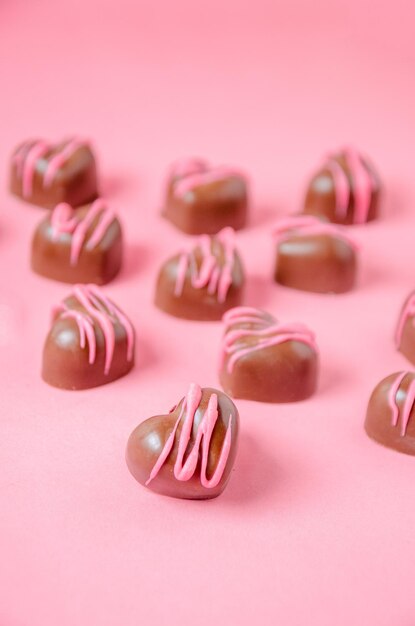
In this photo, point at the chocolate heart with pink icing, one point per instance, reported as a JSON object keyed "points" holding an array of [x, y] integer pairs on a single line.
{"points": [[189, 452]]}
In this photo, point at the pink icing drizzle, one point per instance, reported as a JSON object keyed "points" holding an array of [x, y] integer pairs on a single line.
{"points": [[217, 279], [104, 313], [64, 220], [408, 404], [28, 155], [407, 312], [58, 160], [268, 331], [363, 184], [341, 186], [204, 177], [308, 225], [184, 470]]}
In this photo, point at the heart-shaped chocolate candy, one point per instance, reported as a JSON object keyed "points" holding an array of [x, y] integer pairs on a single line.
{"points": [[204, 199], [266, 360], [90, 343], [314, 255], [188, 453], [47, 174], [203, 282], [81, 245]]}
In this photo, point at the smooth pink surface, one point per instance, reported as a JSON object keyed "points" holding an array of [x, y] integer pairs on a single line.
{"points": [[317, 524]]}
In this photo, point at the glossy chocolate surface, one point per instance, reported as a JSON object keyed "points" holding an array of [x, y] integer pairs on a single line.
{"points": [[320, 263], [53, 250], [87, 346], [322, 196], [255, 366], [147, 441], [390, 417], [405, 330], [197, 300], [74, 182], [201, 199]]}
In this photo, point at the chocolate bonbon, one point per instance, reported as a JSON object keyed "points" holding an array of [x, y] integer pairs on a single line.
{"points": [[405, 329], [91, 341], [345, 190], [81, 245], [266, 360], [189, 452], [204, 281], [390, 417], [201, 199], [47, 174], [314, 255]]}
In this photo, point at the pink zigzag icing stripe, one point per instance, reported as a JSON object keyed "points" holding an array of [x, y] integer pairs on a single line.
{"points": [[64, 220], [103, 312], [308, 225], [405, 415], [407, 312], [268, 332], [363, 184], [217, 279], [28, 155], [341, 186], [184, 470]]}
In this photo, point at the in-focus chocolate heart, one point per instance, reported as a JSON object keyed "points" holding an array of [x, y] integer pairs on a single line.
{"points": [[188, 453], [47, 174]]}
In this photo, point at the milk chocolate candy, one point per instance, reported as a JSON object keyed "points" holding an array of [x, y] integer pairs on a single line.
{"points": [[405, 330], [81, 245], [190, 451], [266, 360], [47, 174], [345, 190], [90, 343], [390, 417], [203, 282], [314, 255], [201, 199]]}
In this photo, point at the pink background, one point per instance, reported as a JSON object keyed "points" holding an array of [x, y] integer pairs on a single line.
{"points": [[317, 526]]}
